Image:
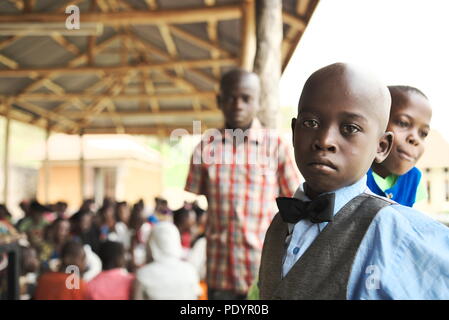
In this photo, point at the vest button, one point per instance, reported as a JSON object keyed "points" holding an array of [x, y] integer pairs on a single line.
{"points": [[295, 250]]}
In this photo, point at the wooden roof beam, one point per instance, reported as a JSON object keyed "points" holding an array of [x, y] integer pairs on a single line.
{"points": [[122, 96], [154, 130], [10, 63], [302, 6], [47, 114], [182, 15], [161, 113], [293, 21], [197, 63], [248, 36], [145, 46], [5, 43], [199, 41]]}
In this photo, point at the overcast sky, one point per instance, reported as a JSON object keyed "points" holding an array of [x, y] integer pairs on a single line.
{"points": [[402, 41]]}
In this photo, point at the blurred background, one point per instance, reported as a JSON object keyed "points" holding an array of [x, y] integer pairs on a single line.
{"points": [[89, 113]]}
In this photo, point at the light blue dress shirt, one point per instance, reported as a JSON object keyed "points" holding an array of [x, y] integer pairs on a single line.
{"points": [[404, 254]]}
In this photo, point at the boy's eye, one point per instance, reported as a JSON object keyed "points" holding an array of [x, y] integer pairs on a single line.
{"points": [[402, 123], [246, 98], [350, 129], [310, 123], [423, 134]]}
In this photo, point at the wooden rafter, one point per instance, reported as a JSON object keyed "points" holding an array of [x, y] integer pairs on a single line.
{"points": [[248, 35], [17, 3], [67, 45], [47, 114], [10, 63], [302, 6], [198, 41], [194, 63], [212, 33], [137, 61], [7, 42], [121, 96], [151, 4], [184, 15], [62, 8], [145, 46], [28, 5], [166, 113], [166, 130]]}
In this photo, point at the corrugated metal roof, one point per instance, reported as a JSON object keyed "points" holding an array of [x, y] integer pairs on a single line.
{"points": [[135, 45]]}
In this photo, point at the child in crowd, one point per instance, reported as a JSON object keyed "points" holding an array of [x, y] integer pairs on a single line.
{"points": [[106, 220], [29, 268], [34, 224], [114, 282], [84, 230], [185, 219], [197, 254], [167, 277], [67, 282], [58, 234], [121, 230], [140, 230], [334, 239], [397, 177]]}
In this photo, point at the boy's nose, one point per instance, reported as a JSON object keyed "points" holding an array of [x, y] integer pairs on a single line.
{"points": [[325, 142], [413, 139]]}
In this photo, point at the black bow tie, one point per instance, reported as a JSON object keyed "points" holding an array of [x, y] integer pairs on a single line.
{"points": [[321, 209]]}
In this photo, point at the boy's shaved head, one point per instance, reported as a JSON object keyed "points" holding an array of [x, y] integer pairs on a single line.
{"points": [[347, 80], [340, 130]]}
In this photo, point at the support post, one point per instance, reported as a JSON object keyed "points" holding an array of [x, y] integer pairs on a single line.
{"points": [[47, 166], [267, 63], [82, 166], [6, 155]]}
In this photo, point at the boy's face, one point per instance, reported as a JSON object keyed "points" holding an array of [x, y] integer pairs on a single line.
{"points": [[239, 101], [410, 124], [336, 137]]}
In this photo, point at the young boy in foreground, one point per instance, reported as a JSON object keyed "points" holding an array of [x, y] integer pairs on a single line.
{"points": [[335, 239]]}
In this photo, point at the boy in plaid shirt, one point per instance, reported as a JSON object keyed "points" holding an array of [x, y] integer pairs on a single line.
{"points": [[241, 169]]}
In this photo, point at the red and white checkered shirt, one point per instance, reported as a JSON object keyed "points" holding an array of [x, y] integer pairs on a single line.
{"points": [[241, 182]]}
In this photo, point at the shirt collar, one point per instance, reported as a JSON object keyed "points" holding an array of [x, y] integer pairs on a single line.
{"points": [[342, 195]]}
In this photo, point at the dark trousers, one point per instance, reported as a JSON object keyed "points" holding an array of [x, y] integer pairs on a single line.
{"points": [[216, 294]]}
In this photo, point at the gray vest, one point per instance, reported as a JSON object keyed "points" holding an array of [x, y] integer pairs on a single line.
{"points": [[322, 272]]}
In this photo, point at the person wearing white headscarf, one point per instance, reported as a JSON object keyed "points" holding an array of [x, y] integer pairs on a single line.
{"points": [[167, 277]]}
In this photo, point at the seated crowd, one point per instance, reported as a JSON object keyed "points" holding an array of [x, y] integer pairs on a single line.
{"points": [[116, 252]]}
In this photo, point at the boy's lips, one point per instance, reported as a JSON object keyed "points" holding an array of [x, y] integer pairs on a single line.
{"points": [[405, 155], [323, 165]]}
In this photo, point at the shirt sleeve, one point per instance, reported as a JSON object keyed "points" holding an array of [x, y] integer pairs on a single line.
{"points": [[404, 255], [196, 177], [288, 173]]}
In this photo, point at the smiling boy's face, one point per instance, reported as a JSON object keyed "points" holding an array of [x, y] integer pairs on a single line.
{"points": [[409, 121], [340, 129]]}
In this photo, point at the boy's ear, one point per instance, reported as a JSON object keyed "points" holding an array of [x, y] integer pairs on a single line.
{"points": [[384, 147], [293, 129]]}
